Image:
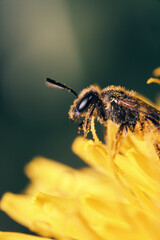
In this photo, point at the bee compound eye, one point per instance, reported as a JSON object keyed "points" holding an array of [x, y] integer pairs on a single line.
{"points": [[85, 102]]}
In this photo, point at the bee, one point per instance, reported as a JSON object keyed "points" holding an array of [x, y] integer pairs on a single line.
{"points": [[125, 108]]}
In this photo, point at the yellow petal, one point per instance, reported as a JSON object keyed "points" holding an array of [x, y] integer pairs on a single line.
{"points": [[116, 220], [21, 208], [153, 80], [66, 213], [49, 176], [144, 155], [135, 176], [67, 182], [95, 154], [19, 236]]}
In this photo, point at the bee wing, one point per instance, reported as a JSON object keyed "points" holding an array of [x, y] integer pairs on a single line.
{"points": [[140, 106]]}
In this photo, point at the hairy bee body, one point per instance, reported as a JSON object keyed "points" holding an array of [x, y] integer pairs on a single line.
{"points": [[114, 103], [125, 108]]}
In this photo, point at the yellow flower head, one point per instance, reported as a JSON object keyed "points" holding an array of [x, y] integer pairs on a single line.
{"points": [[113, 198]]}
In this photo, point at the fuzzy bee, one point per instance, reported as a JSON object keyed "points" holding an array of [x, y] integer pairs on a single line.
{"points": [[125, 108]]}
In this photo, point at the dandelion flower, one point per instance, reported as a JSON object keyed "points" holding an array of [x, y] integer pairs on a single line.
{"points": [[110, 199]]}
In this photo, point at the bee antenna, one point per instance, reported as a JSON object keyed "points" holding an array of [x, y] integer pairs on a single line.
{"points": [[52, 83]]}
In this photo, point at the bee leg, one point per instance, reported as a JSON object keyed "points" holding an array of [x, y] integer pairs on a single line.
{"points": [[87, 121], [105, 136], [80, 127], [157, 148], [86, 125], [118, 140]]}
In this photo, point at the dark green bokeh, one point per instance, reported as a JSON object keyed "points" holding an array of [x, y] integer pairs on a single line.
{"points": [[78, 43]]}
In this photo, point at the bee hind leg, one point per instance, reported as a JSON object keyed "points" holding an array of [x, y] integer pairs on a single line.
{"points": [[118, 139]]}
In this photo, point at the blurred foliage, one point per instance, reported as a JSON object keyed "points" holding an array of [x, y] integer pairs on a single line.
{"points": [[77, 43]]}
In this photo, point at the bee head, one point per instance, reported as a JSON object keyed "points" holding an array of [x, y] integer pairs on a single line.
{"points": [[85, 107]]}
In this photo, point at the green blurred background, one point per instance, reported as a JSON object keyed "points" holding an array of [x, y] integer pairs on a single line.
{"points": [[77, 43]]}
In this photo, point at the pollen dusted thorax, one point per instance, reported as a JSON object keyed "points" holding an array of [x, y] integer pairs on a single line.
{"points": [[113, 110]]}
